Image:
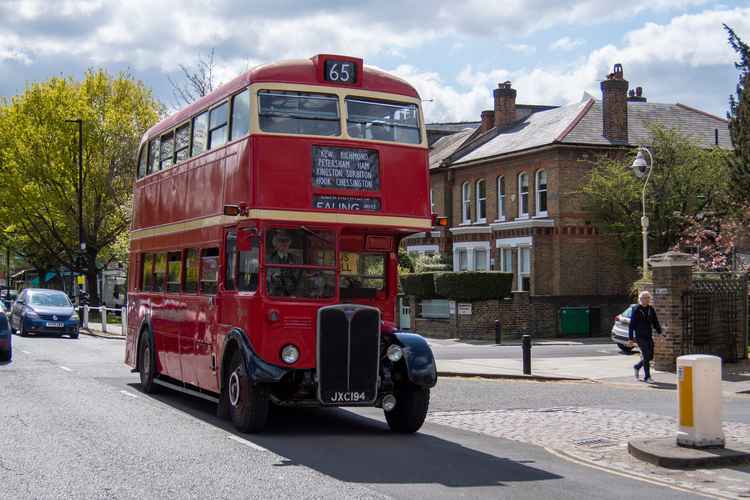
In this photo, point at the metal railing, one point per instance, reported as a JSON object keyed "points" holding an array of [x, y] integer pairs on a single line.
{"points": [[84, 315]]}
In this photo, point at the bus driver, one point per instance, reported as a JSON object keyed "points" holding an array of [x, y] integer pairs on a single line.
{"points": [[282, 282]]}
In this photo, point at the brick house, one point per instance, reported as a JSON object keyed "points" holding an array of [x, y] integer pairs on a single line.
{"points": [[510, 187]]}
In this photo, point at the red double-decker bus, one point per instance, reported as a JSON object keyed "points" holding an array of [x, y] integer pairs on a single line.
{"points": [[263, 249]]}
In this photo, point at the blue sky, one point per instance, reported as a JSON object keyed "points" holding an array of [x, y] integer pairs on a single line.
{"points": [[455, 53]]}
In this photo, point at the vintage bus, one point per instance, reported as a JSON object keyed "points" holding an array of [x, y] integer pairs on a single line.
{"points": [[263, 249]]}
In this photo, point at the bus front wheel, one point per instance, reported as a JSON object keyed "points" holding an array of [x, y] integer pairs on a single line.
{"points": [[248, 403], [412, 403]]}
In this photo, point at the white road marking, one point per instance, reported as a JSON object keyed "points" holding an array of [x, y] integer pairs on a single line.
{"points": [[247, 443], [129, 394], [25, 352], [66, 368]]}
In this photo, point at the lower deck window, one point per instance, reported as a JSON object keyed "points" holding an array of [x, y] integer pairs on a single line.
{"points": [[300, 263], [209, 270], [361, 275]]}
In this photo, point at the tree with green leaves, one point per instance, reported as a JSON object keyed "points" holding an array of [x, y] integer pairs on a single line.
{"points": [[688, 183], [38, 195], [739, 123]]}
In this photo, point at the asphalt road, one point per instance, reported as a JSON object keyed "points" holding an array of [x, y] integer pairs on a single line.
{"points": [[75, 425], [451, 349]]}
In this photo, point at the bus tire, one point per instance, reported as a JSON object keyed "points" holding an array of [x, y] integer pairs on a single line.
{"points": [[412, 403], [248, 403], [147, 364]]}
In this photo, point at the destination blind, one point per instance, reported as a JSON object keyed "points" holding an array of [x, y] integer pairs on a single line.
{"points": [[345, 168]]}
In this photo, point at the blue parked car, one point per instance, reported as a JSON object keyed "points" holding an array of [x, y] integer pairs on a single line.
{"points": [[6, 340], [38, 310]]}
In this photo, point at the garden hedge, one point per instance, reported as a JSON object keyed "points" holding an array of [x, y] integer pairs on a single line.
{"points": [[467, 286], [421, 285]]}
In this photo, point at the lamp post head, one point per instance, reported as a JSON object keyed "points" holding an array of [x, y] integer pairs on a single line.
{"points": [[640, 166]]}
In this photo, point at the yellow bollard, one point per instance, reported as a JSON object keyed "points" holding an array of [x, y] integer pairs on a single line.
{"points": [[699, 401]]}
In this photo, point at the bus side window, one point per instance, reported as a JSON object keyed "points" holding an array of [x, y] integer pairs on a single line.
{"points": [[241, 114], [167, 150], [191, 270], [142, 161], [153, 156], [160, 271], [182, 143], [230, 253], [217, 126], [200, 133], [209, 270], [174, 271], [148, 269], [247, 263]]}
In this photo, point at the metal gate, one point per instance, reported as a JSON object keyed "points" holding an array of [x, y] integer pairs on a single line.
{"points": [[715, 316]]}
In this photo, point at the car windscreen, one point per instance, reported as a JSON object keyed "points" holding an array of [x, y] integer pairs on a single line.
{"points": [[300, 263], [49, 299]]}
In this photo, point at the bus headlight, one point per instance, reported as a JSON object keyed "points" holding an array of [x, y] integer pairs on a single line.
{"points": [[290, 354], [394, 353]]}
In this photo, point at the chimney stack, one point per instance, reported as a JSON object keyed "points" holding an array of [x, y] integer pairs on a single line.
{"points": [[505, 105], [615, 106], [488, 120], [636, 95]]}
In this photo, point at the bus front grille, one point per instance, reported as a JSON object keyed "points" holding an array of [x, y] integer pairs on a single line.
{"points": [[348, 354]]}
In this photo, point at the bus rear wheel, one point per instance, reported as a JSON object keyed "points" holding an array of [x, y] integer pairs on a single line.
{"points": [[147, 364], [248, 403], [412, 403]]}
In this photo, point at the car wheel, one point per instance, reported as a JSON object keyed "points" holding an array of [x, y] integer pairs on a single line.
{"points": [[408, 416], [74, 335], [147, 364], [21, 330], [248, 403], [6, 354], [625, 349]]}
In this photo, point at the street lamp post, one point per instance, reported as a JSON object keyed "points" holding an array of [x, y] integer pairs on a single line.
{"points": [[641, 168], [79, 188]]}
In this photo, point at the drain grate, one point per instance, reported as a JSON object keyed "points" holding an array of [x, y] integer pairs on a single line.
{"points": [[594, 442]]}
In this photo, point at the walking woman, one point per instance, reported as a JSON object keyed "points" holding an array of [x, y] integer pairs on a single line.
{"points": [[642, 321]]}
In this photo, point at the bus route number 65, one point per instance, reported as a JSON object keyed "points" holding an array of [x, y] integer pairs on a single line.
{"points": [[340, 71]]}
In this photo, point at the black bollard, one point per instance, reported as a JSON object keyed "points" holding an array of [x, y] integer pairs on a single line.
{"points": [[498, 332], [526, 345]]}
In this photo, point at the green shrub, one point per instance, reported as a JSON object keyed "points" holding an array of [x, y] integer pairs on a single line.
{"points": [[467, 286], [422, 285]]}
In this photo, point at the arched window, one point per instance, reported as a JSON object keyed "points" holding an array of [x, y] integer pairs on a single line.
{"points": [[541, 192], [501, 198], [466, 203], [523, 194], [481, 201]]}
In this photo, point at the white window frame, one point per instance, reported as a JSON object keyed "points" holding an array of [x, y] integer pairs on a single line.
{"points": [[515, 245], [503, 252], [538, 209], [521, 273], [459, 252], [481, 212], [432, 202], [466, 203], [521, 195], [470, 248], [423, 249], [500, 199]]}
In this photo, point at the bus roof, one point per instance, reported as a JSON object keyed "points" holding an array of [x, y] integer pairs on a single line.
{"points": [[301, 71]]}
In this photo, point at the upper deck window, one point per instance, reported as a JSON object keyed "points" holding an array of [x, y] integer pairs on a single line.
{"points": [[217, 126], [288, 112], [167, 150], [241, 114], [383, 121], [142, 159], [200, 133], [153, 156], [182, 142]]}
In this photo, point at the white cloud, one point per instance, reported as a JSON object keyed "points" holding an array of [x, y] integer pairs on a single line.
{"points": [[675, 62], [521, 48], [566, 43]]}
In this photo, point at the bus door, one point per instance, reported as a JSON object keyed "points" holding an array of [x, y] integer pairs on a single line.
{"points": [[240, 280]]}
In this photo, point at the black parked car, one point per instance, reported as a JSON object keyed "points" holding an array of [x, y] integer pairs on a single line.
{"points": [[38, 310], [6, 340]]}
